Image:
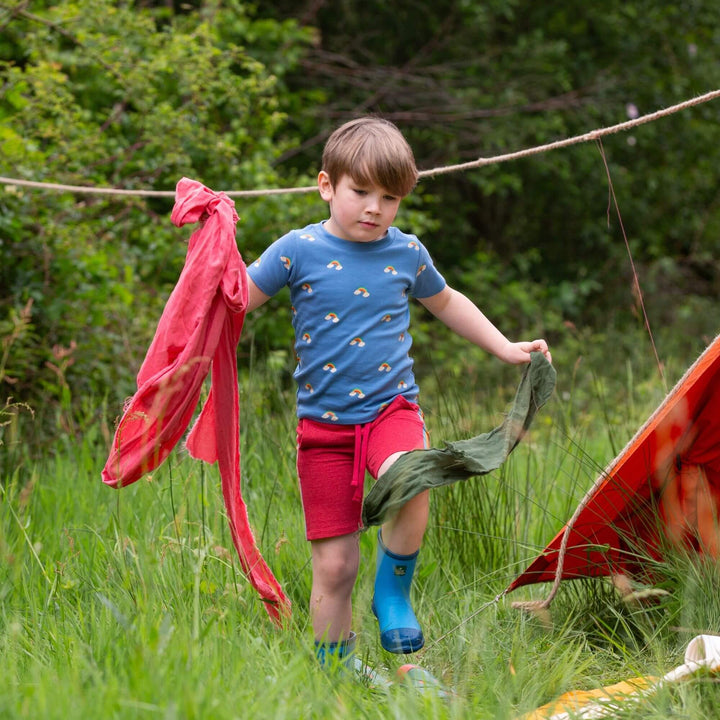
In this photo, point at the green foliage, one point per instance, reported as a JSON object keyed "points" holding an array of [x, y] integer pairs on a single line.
{"points": [[130, 602], [242, 96], [110, 94], [467, 80]]}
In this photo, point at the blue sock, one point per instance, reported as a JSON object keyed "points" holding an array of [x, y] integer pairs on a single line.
{"points": [[399, 629], [330, 654]]}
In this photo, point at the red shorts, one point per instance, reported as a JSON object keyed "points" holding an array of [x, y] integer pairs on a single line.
{"points": [[332, 459]]}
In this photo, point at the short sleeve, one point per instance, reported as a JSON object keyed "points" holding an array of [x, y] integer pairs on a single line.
{"points": [[428, 280], [271, 271]]}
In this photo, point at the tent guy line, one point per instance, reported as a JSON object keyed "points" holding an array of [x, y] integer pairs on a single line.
{"points": [[593, 135]]}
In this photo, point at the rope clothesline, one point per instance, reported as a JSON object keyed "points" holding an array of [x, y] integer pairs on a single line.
{"points": [[443, 170]]}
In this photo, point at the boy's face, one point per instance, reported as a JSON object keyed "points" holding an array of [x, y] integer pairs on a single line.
{"points": [[358, 212]]}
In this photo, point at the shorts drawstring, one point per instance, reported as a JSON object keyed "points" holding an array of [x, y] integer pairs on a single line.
{"points": [[362, 433]]}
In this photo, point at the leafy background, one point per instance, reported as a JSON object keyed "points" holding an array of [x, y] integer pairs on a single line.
{"points": [[242, 96]]}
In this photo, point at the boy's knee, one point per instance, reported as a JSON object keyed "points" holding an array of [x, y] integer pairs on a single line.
{"points": [[336, 569], [389, 461], [339, 572]]}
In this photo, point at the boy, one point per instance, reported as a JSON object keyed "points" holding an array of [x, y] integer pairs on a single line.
{"points": [[349, 278]]}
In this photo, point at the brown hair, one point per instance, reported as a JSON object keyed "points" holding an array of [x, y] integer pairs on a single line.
{"points": [[371, 151]]}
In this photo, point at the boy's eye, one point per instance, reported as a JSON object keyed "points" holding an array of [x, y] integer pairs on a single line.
{"points": [[362, 192]]}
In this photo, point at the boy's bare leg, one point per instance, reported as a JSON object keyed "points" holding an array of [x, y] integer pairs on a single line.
{"points": [[403, 533], [398, 546], [335, 563]]}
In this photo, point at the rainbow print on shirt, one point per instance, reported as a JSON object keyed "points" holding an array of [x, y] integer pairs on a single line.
{"points": [[307, 288], [329, 415], [362, 291], [390, 269], [334, 265], [357, 392], [308, 237], [358, 341], [412, 244], [384, 367], [286, 261], [332, 317], [329, 367], [306, 337], [422, 268]]}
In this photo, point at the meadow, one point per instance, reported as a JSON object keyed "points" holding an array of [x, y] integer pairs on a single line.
{"points": [[131, 604]]}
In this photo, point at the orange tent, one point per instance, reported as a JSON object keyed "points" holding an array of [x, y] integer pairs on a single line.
{"points": [[662, 490]]}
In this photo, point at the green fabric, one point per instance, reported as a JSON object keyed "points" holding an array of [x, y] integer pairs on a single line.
{"points": [[424, 469]]}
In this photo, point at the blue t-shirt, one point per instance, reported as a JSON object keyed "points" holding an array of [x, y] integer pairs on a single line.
{"points": [[351, 317]]}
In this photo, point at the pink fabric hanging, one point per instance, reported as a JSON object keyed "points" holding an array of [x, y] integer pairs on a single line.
{"points": [[200, 328]]}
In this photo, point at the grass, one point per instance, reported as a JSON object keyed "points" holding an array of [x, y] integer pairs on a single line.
{"points": [[130, 603]]}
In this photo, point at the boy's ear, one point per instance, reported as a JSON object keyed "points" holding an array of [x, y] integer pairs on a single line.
{"points": [[325, 186]]}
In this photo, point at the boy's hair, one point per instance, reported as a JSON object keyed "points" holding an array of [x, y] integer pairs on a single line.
{"points": [[371, 151]]}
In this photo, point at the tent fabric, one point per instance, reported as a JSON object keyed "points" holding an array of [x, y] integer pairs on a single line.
{"points": [[662, 490], [420, 470], [198, 332]]}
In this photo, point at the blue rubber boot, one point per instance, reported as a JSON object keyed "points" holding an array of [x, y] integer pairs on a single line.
{"points": [[399, 628], [340, 657], [336, 654]]}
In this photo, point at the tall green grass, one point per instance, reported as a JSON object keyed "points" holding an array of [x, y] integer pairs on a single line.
{"points": [[131, 604]]}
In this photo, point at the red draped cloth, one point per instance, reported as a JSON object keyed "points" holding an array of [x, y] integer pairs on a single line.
{"points": [[199, 329]]}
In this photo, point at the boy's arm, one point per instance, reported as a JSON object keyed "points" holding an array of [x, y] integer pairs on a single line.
{"points": [[463, 317], [256, 297]]}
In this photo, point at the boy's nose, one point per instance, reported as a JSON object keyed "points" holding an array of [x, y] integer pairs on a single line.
{"points": [[373, 205]]}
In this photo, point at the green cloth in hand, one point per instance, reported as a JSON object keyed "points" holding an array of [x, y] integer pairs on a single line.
{"points": [[420, 470]]}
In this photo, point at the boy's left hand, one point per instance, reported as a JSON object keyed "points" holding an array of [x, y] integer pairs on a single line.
{"points": [[519, 352]]}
